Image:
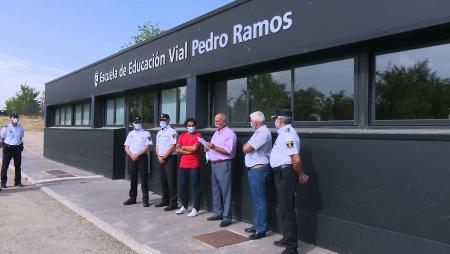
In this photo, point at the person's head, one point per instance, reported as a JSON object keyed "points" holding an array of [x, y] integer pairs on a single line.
{"points": [[164, 120], [14, 118], [220, 121], [137, 123], [282, 117], [190, 124], [257, 119]]}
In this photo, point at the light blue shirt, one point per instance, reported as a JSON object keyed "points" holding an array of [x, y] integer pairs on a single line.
{"points": [[12, 135], [164, 138], [286, 144], [137, 140], [261, 141]]}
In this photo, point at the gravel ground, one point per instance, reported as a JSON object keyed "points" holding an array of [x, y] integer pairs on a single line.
{"points": [[33, 222]]}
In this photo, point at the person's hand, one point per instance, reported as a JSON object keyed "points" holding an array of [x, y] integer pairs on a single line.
{"points": [[303, 178], [133, 157], [210, 145], [161, 160]]}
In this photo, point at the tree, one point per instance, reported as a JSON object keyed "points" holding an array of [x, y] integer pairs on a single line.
{"points": [[24, 102], [146, 31]]}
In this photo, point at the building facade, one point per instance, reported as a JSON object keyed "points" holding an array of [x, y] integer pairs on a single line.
{"points": [[369, 86]]}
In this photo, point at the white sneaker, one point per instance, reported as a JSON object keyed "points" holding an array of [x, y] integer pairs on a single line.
{"points": [[181, 210], [193, 213]]}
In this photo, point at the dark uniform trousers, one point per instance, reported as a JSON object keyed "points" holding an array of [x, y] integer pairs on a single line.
{"points": [[138, 168], [12, 152], [286, 182], [168, 174]]}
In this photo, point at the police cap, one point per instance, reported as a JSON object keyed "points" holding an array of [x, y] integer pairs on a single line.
{"points": [[282, 112]]}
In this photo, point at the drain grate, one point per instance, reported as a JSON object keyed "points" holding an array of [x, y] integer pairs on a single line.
{"points": [[59, 173], [221, 238]]}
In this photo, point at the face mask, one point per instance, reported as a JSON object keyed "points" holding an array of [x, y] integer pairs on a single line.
{"points": [[276, 125], [252, 126], [137, 126], [191, 129], [162, 124], [15, 120]]}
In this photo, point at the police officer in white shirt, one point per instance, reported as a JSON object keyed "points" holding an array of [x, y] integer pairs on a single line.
{"points": [[11, 137], [257, 152], [287, 166], [137, 145], [166, 140]]}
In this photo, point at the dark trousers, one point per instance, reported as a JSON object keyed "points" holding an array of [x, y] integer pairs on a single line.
{"points": [[138, 169], [191, 175], [286, 181], [12, 152], [168, 173]]}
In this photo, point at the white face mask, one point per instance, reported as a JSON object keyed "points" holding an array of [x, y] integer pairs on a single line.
{"points": [[137, 126], [252, 126], [276, 125], [191, 129], [15, 120], [163, 124]]}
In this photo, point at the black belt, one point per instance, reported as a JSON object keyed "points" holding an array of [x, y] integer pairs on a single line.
{"points": [[259, 166], [283, 166]]}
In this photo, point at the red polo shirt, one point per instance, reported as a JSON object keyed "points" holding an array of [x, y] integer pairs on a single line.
{"points": [[190, 160]]}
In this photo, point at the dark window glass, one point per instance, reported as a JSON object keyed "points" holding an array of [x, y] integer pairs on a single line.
{"points": [[148, 102], [324, 92], [173, 102], [230, 97], [270, 91], [413, 84]]}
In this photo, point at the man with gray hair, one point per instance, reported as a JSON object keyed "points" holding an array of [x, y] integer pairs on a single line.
{"points": [[257, 152], [287, 169]]}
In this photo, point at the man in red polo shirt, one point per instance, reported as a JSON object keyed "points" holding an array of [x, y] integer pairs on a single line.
{"points": [[188, 147]]}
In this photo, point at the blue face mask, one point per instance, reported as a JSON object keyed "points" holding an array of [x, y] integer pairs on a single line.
{"points": [[162, 124], [137, 126], [191, 129]]}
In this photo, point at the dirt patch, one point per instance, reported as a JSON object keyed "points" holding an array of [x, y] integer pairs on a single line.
{"points": [[31, 124]]}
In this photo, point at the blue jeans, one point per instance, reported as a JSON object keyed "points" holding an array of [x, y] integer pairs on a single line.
{"points": [[221, 188], [257, 179], [191, 175]]}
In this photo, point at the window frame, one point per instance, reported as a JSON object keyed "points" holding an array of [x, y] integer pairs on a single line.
{"points": [[412, 123]]}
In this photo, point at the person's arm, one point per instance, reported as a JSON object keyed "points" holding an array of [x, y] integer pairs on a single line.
{"points": [[247, 148], [190, 149], [297, 164], [143, 151], [128, 152], [169, 151]]}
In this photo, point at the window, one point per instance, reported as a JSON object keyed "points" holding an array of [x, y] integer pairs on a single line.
{"points": [[324, 92], [230, 97], [264, 92], [82, 114], [269, 92], [142, 105], [173, 102], [413, 84], [115, 111], [57, 116], [68, 118], [63, 115]]}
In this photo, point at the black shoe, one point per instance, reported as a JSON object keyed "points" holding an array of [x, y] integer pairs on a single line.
{"points": [[130, 202], [161, 204], [280, 243], [18, 185], [256, 236], [250, 229], [145, 203], [225, 223], [214, 217], [289, 251], [4, 186], [171, 208]]}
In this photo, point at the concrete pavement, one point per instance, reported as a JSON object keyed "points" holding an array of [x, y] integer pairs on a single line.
{"points": [[145, 230]]}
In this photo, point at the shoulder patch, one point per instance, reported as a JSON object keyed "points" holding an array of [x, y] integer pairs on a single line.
{"points": [[290, 144], [174, 136], [287, 130]]}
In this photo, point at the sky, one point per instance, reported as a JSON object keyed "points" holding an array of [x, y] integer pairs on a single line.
{"points": [[43, 40]]}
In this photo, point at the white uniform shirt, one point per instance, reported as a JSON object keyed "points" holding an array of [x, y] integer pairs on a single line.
{"points": [[286, 144], [137, 139], [164, 138], [12, 135], [261, 141]]}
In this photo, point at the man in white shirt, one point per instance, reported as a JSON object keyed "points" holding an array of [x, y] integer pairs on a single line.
{"points": [[11, 139]]}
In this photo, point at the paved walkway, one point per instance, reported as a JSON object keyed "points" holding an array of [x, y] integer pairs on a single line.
{"points": [[145, 230]]}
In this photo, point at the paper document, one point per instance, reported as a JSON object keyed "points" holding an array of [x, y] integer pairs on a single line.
{"points": [[201, 140]]}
